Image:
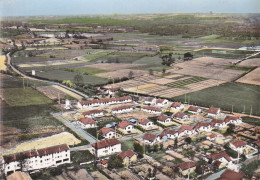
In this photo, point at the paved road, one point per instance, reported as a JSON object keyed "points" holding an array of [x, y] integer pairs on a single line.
{"points": [[83, 134], [81, 148]]}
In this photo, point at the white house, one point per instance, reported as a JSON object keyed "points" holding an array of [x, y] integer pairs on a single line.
{"points": [[152, 110], [194, 110], [181, 116], [201, 126], [145, 123], [185, 130], [37, 159], [213, 137], [122, 109], [149, 101], [218, 124], [93, 113], [151, 139], [113, 91], [233, 120], [222, 157], [161, 102], [106, 147], [177, 106], [86, 123], [126, 127], [171, 134], [163, 119], [238, 146], [213, 112], [107, 133]]}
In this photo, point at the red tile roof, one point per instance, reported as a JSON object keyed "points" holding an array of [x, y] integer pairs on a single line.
{"points": [[176, 104], [95, 111], [105, 143], [215, 121], [186, 165], [183, 128], [20, 156], [213, 110], [159, 101], [229, 118], [123, 124], [152, 108], [122, 107], [193, 108], [149, 137], [162, 118], [167, 131], [105, 100], [238, 144], [212, 136], [143, 121], [87, 120], [103, 162], [129, 153], [201, 124], [179, 114], [219, 155], [53, 149], [150, 99], [105, 130], [231, 175]]}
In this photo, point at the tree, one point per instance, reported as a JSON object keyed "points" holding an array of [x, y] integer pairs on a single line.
{"points": [[148, 148], [138, 148], [150, 72], [163, 70], [161, 146], [78, 79], [175, 142], [155, 148], [167, 59], [188, 140], [188, 56], [115, 162], [130, 74], [230, 129]]}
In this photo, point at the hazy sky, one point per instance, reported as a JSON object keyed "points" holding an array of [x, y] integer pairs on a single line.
{"points": [[70, 7]]}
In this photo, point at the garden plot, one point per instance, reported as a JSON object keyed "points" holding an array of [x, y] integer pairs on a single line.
{"points": [[111, 66], [51, 92], [207, 67], [251, 78], [122, 73]]}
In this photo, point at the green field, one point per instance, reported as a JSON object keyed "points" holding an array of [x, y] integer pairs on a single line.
{"points": [[97, 54], [182, 83], [16, 82], [120, 58], [87, 70], [25, 97], [242, 97], [154, 63]]}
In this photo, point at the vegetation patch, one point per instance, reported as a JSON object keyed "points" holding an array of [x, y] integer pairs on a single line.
{"points": [[182, 83], [251, 120]]}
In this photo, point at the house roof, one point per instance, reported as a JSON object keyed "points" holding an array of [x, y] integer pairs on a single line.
{"points": [[53, 149], [215, 121], [95, 111], [150, 99], [103, 162], [167, 131], [87, 120], [231, 175], [186, 165], [162, 118], [103, 131], [121, 107], [257, 143], [238, 144], [176, 104], [105, 143], [212, 136], [152, 108], [213, 110], [114, 89], [143, 121], [179, 114], [129, 153], [105, 100], [229, 118], [183, 128], [218, 155], [123, 124], [201, 124], [159, 101], [193, 108], [19, 176], [149, 137]]}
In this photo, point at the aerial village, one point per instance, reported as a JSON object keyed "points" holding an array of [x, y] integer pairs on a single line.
{"points": [[126, 123]]}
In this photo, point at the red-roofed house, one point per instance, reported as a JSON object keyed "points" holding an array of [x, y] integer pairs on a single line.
{"points": [[145, 123], [213, 112], [213, 137], [122, 109], [171, 134], [181, 116], [152, 110], [177, 106], [128, 157], [107, 133], [231, 175], [194, 110], [106, 147], [86, 123], [186, 167], [104, 163], [93, 113], [201, 126], [151, 139], [238, 146], [163, 119], [185, 130], [233, 119], [161, 102], [149, 101], [218, 124], [223, 157], [125, 127]]}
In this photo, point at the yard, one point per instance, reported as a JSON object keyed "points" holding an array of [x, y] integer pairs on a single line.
{"points": [[228, 96], [127, 144]]}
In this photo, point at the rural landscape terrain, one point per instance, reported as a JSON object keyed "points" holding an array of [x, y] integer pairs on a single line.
{"points": [[145, 96]]}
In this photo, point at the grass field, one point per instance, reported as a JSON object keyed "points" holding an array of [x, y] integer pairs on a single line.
{"points": [[120, 58], [87, 70], [154, 63], [97, 54], [182, 83], [241, 96]]}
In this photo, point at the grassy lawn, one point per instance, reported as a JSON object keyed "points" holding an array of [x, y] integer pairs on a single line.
{"points": [[241, 96], [78, 157], [25, 97], [182, 83], [16, 82], [127, 144]]}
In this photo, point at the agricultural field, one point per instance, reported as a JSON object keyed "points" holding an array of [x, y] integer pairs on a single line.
{"points": [[118, 74], [52, 93], [2, 63], [227, 96], [111, 66], [120, 58], [251, 78], [154, 63], [251, 62], [183, 83]]}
